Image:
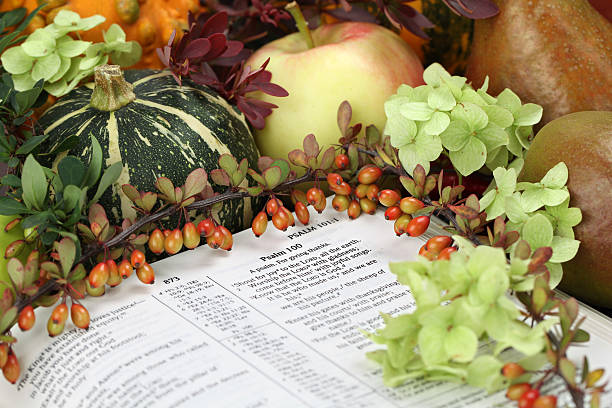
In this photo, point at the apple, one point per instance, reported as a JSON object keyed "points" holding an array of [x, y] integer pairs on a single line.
{"points": [[360, 62]]}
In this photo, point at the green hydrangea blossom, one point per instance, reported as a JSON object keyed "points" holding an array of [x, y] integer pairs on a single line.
{"points": [[51, 54], [447, 116]]}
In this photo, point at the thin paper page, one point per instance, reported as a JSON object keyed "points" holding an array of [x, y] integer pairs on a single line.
{"points": [[273, 323]]}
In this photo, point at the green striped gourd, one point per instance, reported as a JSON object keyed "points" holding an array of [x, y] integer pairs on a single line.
{"points": [[159, 129]]}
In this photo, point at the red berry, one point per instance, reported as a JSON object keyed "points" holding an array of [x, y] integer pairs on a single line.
{"points": [[167, 232], [206, 227], [314, 195], [146, 274], [80, 316], [528, 398], [156, 241], [301, 211], [298, 195], [427, 254], [367, 206], [125, 269], [393, 213], [369, 175], [417, 226], [216, 239], [114, 277], [340, 202], [388, 197], [342, 161], [320, 206], [289, 215], [11, 368], [172, 244], [99, 275], [272, 206], [138, 257], [516, 391], [361, 191], [512, 370], [438, 243], [334, 179], [445, 253], [545, 401], [260, 223], [372, 192], [4, 350], [354, 209], [57, 320], [410, 205], [228, 239], [401, 223], [342, 189], [191, 237], [27, 318]]}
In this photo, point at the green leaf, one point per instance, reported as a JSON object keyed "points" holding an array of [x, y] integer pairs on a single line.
{"points": [[441, 99], [556, 273], [564, 249], [528, 114], [538, 231], [31, 144], [16, 61], [10, 206], [64, 67], [470, 158], [456, 135], [493, 137], [8, 318], [67, 18], [499, 116], [472, 114], [71, 171], [40, 47], [433, 74], [416, 111], [58, 88], [16, 272], [282, 164], [46, 67], [11, 180], [72, 194], [556, 177], [95, 164], [425, 149], [568, 370], [69, 48], [129, 57], [437, 124], [34, 183], [66, 250], [109, 177], [461, 344], [272, 175], [509, 100], [114, 33], [228, 163], [35, 220], [485, 372], [195, 182], [220, 177], [26, 99], [431, 341]]}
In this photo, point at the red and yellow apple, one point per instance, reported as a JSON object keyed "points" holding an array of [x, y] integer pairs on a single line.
{"points": [[359, 62]]}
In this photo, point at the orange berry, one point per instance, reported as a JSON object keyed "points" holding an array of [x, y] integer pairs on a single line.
{"points": [[260, 223], [427, 254], [512, 370], [173, 242], [206, 227], [80, 316], [320, 206], [446, 252], [314, 195], [4, 350], [114, 277], [146, 274], [367, 206], [125, 269], [191, 237], [528, 398], [438, 243], [289, 214], [334, 179], [342, 189], [272, 206], [11, 368], [342, 161], [27, 318], [340, 202], [393, 213], [372, 192], [57, 320], [167, 232], [301, 211], [361, 191], [99, 275], [516, 391], [156, 241], [401, 223], [545, 401], [410, 205], [95, 292], [137, 258], [369, 175], [417, 226], [280, 220], [388, 197], [354, 209], [228, 239]]}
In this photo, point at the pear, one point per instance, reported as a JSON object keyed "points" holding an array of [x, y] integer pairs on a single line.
{"points": [[583, 140]]}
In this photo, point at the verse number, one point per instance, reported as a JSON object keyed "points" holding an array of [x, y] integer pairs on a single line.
{"points": [[172, 279]]}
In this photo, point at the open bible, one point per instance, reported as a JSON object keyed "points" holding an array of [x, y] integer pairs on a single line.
{"points": [[274, 323]]}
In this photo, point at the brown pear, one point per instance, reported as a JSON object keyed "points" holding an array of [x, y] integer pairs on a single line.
{"points": [[556, 53], [583, 140]]}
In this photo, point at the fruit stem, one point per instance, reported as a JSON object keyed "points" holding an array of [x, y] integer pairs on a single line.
{"points": [[111, 90], [294, 9]]}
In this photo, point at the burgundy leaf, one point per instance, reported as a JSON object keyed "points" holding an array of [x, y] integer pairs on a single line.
{"points": [[197, 48], [474, 9], [233, 49], [272, 89], [231, 61], [218, 45], [215, 24]]}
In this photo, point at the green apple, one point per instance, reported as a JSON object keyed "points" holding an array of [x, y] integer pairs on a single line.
{"points": [[359, 62]]}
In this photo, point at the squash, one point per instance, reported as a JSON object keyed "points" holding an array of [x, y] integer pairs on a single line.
{"points": [[150, 22], [450, 39], [159, 129]]}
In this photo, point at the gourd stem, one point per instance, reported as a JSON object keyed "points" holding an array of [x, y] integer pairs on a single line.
{"points": [[300, 22], [111, 90]]}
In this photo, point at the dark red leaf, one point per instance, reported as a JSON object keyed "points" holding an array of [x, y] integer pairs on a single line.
{"points": [[197, 48], [474, 9], [215, 24]]}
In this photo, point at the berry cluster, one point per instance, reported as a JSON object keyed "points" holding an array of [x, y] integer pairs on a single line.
{"points": [[523, 393], [282, 218]]}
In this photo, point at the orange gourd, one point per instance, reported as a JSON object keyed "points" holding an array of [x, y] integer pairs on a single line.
{"points": [[150, 22]]}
